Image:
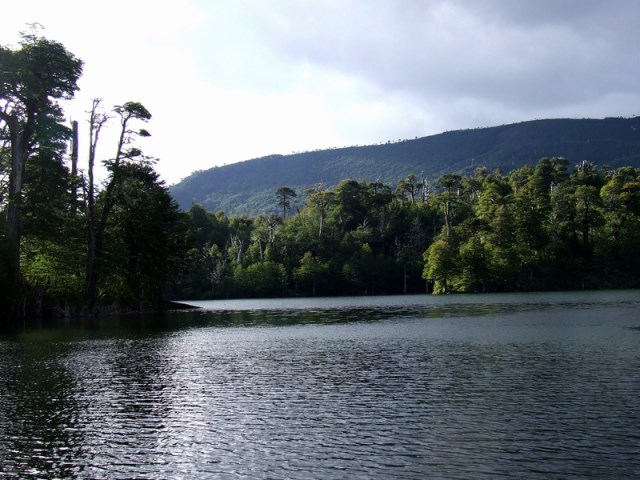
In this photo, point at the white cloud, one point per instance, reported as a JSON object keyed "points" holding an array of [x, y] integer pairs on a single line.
{"points": [[232, 80]]}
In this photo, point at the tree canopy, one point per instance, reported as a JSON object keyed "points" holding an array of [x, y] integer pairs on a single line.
{"points": [[540, 227], [34, 78], [128, 235]]}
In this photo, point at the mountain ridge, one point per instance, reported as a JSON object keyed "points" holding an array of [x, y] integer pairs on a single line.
{"points": [[248, 187]]}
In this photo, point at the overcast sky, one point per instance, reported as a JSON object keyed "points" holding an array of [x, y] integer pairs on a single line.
{"points": [[233, 80]]}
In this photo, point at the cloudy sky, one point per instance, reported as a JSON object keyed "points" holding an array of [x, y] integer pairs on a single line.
{"points": [[231, 80]]}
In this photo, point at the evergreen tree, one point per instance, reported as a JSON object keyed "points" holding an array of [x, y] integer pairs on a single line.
{"points": [[144, 239], [35, 77]]}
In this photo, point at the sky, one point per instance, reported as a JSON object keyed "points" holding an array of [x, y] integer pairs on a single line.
{"points": [[232, 80]]}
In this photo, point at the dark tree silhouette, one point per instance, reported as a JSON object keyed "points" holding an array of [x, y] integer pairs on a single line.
{"points": [[285, 194]]}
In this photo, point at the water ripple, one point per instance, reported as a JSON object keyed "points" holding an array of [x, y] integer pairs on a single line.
{"points": [[547, 392]]}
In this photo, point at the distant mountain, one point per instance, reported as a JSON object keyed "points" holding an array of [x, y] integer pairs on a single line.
{"points": [[249, 187]]}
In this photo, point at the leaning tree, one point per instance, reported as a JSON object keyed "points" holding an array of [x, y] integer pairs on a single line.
{"points": [[126, 153]]}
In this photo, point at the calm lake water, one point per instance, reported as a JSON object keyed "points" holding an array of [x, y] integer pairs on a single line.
{"points": [[483, 386]]}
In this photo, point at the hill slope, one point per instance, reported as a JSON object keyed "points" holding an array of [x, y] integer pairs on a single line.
{"points": [[249, 187]]}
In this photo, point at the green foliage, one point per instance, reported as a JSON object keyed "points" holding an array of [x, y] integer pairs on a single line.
{"points": [[537, 227], [45, 232], [39, 71], [312, 276], [540, 227], [35, 77], [285, 195], [441, 264], [262, 279], [145, 239], [52, 271], [5, 266], [247, 188]]}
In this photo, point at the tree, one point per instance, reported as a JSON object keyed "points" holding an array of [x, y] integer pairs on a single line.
{"points": [[285, 194], [97, 119], [621, 196], [564, 246], [34, 78], [362, 268], [408, 186], [320, 199], [451, 184], [261, 279], [530, 205], [474, 267], [145, 238], [440, 265], [621, 199], [51, 235], [310, 272], [351, 204], [129, 112], [589, 218], [552, 172]]}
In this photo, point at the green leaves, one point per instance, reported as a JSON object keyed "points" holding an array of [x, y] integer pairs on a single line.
{"points": [[33, 78], [145, 238], [39, 72], [133, 110]]}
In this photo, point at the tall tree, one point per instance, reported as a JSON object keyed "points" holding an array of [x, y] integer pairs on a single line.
{"points": [[144, 238], [320, 199], [408, 185], [440, 264], [285, 194], [451, 184], [34, 78], [125, 153], [97, 119], [74, 162]]}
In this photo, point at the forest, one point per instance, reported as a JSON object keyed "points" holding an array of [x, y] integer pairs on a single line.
{"points": [[542, 227], [70, 245]]}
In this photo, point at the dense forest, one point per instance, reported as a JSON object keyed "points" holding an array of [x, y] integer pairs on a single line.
{"points": [[542, 227], [246, 188], [69, 245]]}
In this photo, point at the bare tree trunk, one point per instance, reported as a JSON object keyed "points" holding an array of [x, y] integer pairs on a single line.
{"points": [[425, 190], [447, 214], [74, 163], [13, 207], [96, 122], [404, 278]]}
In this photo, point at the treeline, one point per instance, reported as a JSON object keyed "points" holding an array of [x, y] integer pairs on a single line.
{"points": [[69, 245], [246, 188], [537, 228]]}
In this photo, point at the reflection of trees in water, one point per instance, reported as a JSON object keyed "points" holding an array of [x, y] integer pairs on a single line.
{"points": [[60, 399], [39, 411]]}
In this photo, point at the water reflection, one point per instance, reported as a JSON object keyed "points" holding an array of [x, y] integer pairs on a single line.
{"points": [[37, 407], [526, 389]]}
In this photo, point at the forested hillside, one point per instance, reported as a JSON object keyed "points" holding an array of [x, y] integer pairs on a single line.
{"points": [[248, 187]]}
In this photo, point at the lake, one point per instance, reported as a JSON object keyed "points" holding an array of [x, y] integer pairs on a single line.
{"points": [[540, 385]]}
